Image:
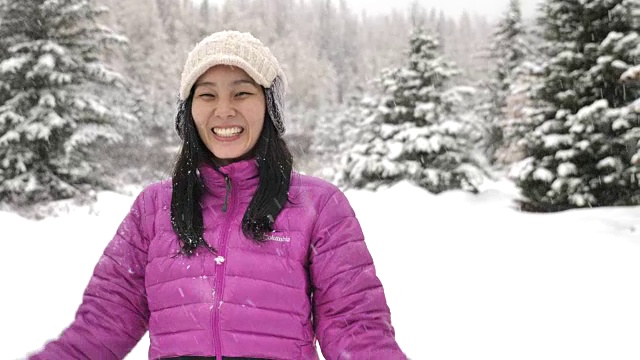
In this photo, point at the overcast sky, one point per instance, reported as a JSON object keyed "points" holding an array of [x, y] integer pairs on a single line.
{"points": [[451, 7]]}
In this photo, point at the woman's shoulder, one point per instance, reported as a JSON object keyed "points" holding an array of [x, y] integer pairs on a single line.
{"points": [[320, 194], [312, 189], [302, 182], [159, 186], [155, 194]]}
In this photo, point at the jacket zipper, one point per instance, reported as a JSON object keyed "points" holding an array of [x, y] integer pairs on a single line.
{"points": [[217, 302], [227, 181]]}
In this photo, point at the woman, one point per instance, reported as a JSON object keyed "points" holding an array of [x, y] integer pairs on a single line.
{"points": [[236, 256]]}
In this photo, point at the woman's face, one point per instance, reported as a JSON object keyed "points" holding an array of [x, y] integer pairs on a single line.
{"points": [[228, 109]]}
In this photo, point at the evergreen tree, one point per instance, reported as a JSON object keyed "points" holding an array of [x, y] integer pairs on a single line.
{"points": [[172, 15], [632, 76], [509, 51], [414, 131], [53, 117], [205, 13], [153, 70], [581, 152], [336, 132], [344, 54], [153, 91], [4, 53]]}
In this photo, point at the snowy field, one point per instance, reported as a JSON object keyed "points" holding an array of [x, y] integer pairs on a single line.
{"points": [[466, 276]]}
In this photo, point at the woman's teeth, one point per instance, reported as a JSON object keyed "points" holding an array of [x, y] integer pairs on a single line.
{"points": [[227, 132]]}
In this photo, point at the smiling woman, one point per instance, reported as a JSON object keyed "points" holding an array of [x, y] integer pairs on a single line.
{"points": [[228, 109], [237, 256]]}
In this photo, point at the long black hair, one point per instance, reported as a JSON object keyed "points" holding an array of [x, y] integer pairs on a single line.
{"points": [[275, 164]]}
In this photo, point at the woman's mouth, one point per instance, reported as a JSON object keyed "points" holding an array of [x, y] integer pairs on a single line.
{"points": [[227, 132]]}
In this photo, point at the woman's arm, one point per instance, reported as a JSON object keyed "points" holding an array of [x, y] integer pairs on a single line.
{"points": [[113, 315], [351, 316]]}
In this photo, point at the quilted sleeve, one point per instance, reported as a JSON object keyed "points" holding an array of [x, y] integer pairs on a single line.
{"points": [[351, 316], [114, 314]]}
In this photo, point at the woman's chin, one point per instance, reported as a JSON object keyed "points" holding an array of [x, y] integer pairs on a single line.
{"points": [[226, 159]]}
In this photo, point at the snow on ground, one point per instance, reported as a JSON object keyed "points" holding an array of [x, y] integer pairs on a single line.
{"points": [[466, 276]]}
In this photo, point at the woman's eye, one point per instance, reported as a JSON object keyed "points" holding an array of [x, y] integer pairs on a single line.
{"points": [[243, 93], [205, 95]]}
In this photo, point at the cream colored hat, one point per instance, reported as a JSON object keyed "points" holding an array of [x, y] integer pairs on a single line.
{"points": [[235, 48]]}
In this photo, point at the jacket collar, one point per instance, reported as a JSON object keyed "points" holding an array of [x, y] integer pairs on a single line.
{"points": [[244, 175]]}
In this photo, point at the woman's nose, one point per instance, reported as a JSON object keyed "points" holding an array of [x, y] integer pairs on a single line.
{"points": [[224, 109]]}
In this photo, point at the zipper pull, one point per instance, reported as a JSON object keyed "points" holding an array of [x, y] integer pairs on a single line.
{"points": [[227, 192]]}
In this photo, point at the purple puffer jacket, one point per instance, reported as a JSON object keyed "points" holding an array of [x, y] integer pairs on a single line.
{"points": [[249, 299]]}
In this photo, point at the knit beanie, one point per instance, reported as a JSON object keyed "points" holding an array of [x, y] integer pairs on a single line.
{"points": [[239, 49]]}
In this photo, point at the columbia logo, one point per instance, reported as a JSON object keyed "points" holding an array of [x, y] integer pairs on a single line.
{"points": [[277, 238]]}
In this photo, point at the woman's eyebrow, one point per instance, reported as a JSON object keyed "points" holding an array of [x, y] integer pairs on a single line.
{"points": [[205, 83], [236, 82], [244, 81]]}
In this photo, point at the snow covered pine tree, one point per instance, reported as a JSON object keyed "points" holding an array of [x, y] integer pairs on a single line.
{"points": [[581, 152], [414, 132], [511, 52], [51, 118]]}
